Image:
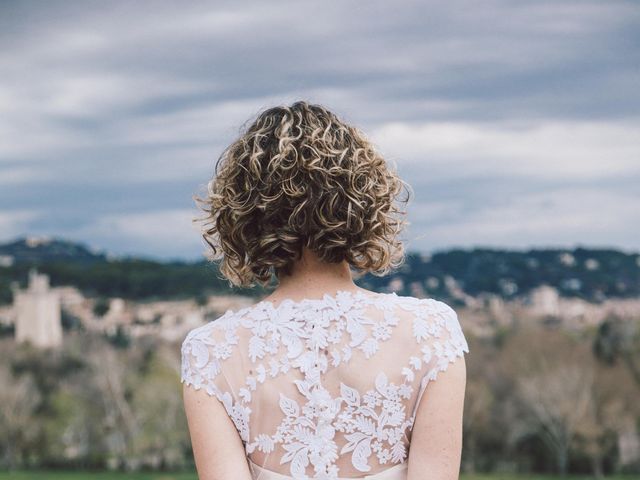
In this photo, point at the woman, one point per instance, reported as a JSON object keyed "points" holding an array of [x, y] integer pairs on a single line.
{"points": [[321, 379]]}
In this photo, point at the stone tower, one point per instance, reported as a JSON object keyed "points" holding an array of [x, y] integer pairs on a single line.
{"points": [[38, 313]]}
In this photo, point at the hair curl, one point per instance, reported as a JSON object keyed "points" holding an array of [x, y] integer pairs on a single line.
{"points": [[299, 176]]}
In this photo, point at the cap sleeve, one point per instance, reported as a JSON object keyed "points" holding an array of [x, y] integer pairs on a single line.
{"points": [[440, 339], [201, 368], [200, 364], [202, 357]]}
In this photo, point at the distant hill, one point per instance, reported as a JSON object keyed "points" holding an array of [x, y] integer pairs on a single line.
{"points": [[591, 274], [45, 249], [99, 273]]}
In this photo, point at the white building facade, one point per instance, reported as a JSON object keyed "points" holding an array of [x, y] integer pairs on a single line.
{"points": [[38, 313]]}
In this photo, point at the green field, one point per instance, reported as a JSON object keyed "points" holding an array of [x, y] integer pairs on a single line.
{"points": [[62, 475], [44, 475]]}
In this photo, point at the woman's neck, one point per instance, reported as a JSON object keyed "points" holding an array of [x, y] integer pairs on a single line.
{"points": [[311, 277]]}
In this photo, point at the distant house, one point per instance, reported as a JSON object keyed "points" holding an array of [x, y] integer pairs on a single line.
{"points": [[37, 310]]}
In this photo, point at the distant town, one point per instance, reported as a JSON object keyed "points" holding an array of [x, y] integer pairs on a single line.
{"points": [[37, 312], [567, 288]]}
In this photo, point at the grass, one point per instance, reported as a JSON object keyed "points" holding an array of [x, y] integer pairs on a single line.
{"points": [[66, 475], [75, 475]]}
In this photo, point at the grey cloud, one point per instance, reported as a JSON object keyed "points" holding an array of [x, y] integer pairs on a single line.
{"points": [[120, 107]]}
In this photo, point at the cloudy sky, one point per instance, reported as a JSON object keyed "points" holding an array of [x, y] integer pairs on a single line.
{"points": [[515, 122]]}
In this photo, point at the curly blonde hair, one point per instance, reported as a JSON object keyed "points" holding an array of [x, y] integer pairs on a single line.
{"points": [[299, 176]]}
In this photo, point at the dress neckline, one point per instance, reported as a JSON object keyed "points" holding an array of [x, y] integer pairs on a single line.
{"points": [[331, 298], [340, 298]]}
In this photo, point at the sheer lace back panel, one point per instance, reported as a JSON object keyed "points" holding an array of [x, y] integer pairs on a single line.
{"points": [[324, 388]]}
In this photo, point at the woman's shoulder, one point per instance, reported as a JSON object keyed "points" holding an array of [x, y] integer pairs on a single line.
{"points": [[434, 322], [204, 347], [429, 308], [425, 302]]}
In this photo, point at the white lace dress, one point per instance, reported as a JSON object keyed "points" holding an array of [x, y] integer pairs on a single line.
{"points": [[325, 388]]}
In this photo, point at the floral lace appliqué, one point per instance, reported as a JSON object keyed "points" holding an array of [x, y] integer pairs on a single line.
{"points": [[310, 336]]}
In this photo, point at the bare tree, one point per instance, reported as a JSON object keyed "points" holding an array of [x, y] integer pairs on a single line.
{"points": [[619, 339], [559, 400], [614, 407], [553, 380], [110, 371], [18, 399], [158, 405], [479, 400]]}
